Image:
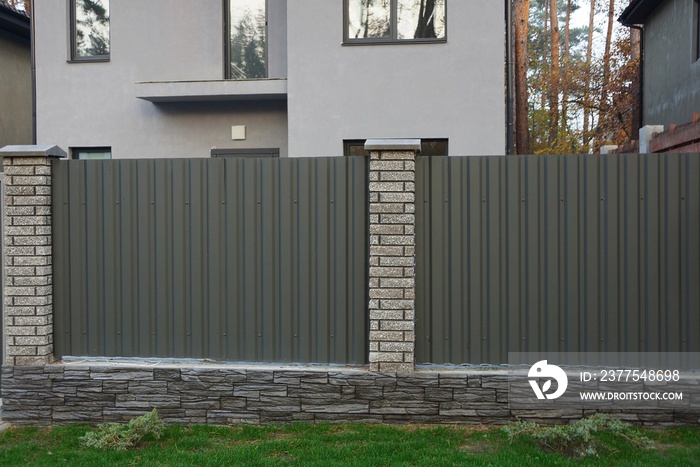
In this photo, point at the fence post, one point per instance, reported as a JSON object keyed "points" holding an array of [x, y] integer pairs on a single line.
{"points": [[392, 207], [28, 307]]}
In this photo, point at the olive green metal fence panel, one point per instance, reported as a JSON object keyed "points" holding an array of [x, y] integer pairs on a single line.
{"points": [[233, 259], [556, 253]]}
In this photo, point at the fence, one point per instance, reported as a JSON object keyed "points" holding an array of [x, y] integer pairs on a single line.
{"points": [[557, 253], [233, 259], [312, 260]]}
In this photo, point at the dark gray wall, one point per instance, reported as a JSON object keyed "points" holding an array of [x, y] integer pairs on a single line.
{"points": [[556, 254], [231, 259], [671, 70], [15, 90]]}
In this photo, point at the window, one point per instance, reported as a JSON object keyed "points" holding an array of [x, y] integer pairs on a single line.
{"points": [[90, 30], [254, 153], [429, 147], [246, 44], [91, 153], [384, 21]]}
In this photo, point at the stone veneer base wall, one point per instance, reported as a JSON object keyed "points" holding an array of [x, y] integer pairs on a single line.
{"points": [[211, 394]]}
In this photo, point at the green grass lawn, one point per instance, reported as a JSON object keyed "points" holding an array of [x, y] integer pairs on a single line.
{"points": [[345, 444]]}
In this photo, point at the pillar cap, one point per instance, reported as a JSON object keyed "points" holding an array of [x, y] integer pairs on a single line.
{"points": [[33, 151], [392, 144]]}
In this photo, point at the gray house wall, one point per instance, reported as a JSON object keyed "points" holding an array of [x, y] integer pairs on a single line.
{"points": [[15, 90], [321, 92], [449, 90], [671, 71], [96, 104]]}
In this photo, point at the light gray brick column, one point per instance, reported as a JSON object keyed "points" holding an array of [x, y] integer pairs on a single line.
{"points": [[28, 294], [392, 176]]}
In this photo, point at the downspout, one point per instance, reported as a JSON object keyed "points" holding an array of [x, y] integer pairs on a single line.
{"points": [[510, 85], [33, 65]]}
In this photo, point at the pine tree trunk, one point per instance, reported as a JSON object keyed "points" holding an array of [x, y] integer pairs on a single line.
{"points": [[522, 134], [554, 74], [587, 91], [565, 71], [606, 67]]}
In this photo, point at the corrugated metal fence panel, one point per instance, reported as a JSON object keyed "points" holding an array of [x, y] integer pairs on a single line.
{"points": [[557, 253], [234, 259]]}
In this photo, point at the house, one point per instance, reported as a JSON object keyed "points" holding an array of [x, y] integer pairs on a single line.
{"points": [[201, 78], [671, 58], [15, 77]]}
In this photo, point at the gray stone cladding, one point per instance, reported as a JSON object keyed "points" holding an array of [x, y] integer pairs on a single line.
{"points": [[72, 393]]}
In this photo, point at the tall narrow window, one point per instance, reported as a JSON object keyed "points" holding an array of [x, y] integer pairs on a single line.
{"points": [[90, 29], [395, 20], [247, 39]]}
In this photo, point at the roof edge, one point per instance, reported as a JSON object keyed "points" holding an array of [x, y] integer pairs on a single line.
{"points": [[638, 11], [14, 21]]}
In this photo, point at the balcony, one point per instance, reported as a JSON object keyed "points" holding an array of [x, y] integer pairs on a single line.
{"points": [[214, 90]]}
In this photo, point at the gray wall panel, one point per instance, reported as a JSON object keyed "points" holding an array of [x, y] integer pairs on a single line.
{"points": [[556, 253], [232, 259]]}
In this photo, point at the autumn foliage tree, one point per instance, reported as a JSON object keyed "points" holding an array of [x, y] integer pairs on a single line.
{"points": [[582, 81]]}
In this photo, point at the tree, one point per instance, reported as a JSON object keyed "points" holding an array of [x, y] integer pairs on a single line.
{"points": [[565, 74], [577, 93], [522, 17], [618, 121], [426, 17], [589, 58], [92, 32], [606, 65], [554, 73], [248, 47]]}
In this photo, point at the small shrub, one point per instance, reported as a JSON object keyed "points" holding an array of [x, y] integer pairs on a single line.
{"points": [[120, 437], [577, 439]]}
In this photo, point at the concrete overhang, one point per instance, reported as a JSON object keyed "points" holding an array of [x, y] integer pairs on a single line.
{"points": [[393, 144], [638, 11], [214, 90]]}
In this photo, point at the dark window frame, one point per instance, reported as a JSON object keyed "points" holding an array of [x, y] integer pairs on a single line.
{"points": [[73, 27], [227, 41], [348, 144], [393, 40], [251, 153], [95, 149]]}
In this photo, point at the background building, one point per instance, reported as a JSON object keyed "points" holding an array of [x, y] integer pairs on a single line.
{"points": [[15, 77], [671, 58]]}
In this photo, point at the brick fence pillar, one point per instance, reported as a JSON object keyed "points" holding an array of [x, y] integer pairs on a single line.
{"points": [[28, 294], [392, 186]]}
